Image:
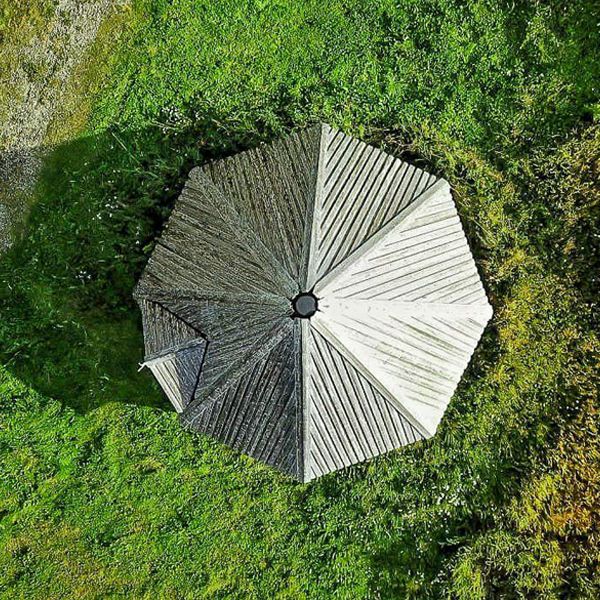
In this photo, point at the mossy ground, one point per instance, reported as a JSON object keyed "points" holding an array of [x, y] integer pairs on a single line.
{"points": [[103, 495]]}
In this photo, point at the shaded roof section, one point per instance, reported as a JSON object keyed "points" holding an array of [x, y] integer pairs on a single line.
{"points": [[259, 412], [377, 246], [175, 352], [273, 190], [206, 246], [221, 323]]}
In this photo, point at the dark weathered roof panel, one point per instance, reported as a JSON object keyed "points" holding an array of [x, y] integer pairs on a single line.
{"points": [[179, 372], [259, 412], [273, 189], [205, 246], [163, 329], [236, 333]]}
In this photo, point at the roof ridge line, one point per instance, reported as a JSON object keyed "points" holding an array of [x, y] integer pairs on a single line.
{"points": [[171, 350], [406, 214], [310, 238], [483, 307], [346, 353], [157, 295]]}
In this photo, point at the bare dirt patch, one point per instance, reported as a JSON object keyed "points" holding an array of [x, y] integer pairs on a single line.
{"points": [[36, 90]]}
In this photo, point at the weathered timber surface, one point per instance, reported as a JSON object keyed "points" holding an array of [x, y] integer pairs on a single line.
{"points": [[361, 189], [206, 246], [259, 412], [348, 420], [400, 305], [273, 190]]}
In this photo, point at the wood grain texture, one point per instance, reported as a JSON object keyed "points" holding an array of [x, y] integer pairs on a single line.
{"points": [[361, 189], [163, 329], [400, 303], [259, 413], [417, 361], [272, 188], [236, 334], [425, 257], [206, 246], [348, 420], [174, 352]]}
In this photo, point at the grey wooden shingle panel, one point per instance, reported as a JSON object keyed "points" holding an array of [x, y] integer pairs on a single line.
{"points": [[236, 334], [362, 189], [273, 189], [411, 306], [349, 421], [163, 329], [206, 246], [178, 373], [151, 289], [259, 413]]}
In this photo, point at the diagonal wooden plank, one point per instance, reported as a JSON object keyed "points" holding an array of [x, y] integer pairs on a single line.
{"points": [[152, 290], [259, 413], [237, 334], [362, 188], [163, 329], [348, 420], [178, 372], [422, 256], [272, 188], [404, 216]]}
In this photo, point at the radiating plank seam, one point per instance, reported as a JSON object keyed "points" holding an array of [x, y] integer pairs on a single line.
{"points": [[337, 387], [406, 214], [307, 272], [289, 159], [355, 422], [350, 426], [354, 213], [401, 358], [354, 419], [342, 441], [259, 373], [372, 202], [247, 364], [400, 229], [155, 294], [306, 404], [357, 363]]}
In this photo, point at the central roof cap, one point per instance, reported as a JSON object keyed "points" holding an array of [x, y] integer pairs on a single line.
{"points": [[305, 305]]}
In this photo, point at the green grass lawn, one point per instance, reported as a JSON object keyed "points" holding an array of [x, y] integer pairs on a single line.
{"points": [[103, 495]]}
